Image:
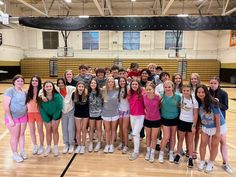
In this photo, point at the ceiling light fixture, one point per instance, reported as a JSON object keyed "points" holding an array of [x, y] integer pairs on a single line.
{"points": [[68, 1], [182, 14], [83, 16], [1, 2]]}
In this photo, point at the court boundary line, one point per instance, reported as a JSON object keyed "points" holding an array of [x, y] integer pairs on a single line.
{"points": [[68, 165], [3, 134], [230, 145]]}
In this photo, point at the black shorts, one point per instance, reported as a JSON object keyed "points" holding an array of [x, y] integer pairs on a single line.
{"points": [[185, 126], [82, 115], [152, 124], [169, 122], [95, 118]]}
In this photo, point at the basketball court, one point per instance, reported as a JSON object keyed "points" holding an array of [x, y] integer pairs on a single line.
{"points": [[48, 37]]}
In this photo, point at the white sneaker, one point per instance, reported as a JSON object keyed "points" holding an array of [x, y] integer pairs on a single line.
{"points": [[23, 154], [65, 149], [161, 157], [130, 136], [171, 157], [120, 146], [82, 150], [77, 150], [40, 150], [71, 149], [228, 168], [17, 157], [111, 148], [106, 149], [35, 150], [56, 151], [133, 156], [209, 167], [90, 148], [147, 156], [98, 146], [47, 151], [152, 157], [125, 150], [201, 165]]}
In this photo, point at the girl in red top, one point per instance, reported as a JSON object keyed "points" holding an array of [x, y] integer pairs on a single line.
{"points": [[134, 72], [135, 98]]}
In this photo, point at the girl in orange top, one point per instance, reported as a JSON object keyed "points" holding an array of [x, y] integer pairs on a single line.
{"points": [[34, 116]]}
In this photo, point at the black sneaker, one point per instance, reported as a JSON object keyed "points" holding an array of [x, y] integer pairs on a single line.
{"points": [[158, 147], [177, 158], [190, 163]]}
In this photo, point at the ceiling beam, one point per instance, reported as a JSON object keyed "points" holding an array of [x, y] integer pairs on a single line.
{"points": [[65, 5], [200, 6], [45, 7], [108, 3], [98, 7], [225, 7], [209, 6], [155, 4], [218, 3], [230, 11], [154, 7], [50, 7], [162, 5], [167, 7], [32, 7]]}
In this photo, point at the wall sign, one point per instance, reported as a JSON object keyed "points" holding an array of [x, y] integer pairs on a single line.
{"points": [[232, 41]]}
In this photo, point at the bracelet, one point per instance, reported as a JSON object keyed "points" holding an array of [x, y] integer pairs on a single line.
{"points": [[193, 125]]}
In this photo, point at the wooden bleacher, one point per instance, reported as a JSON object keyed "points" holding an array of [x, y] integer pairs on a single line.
{"points": [[205, 68]]}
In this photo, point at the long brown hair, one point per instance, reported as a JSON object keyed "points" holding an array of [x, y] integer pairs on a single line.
{"points": [[54, 91], [181, 83], [139, 90], [125, 89], [84, 94], [30, 93], [208, 99]]}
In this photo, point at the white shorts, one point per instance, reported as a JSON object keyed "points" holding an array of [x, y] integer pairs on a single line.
{"points": [[123, 114], [212, 131], [113, 118]]}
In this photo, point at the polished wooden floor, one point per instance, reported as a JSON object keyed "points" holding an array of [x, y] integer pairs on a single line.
{"points": [[100, 164]]}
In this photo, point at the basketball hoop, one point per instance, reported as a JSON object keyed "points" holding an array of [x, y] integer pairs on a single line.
{"points": [[177, 52], [180, 55], [65, 52]]}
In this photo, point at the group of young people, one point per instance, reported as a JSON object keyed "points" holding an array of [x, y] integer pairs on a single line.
{"points": [[129, 100]]}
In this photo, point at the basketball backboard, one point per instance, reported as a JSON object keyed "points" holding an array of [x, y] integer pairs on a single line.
{"points": [[176, 52], [65, 52]]}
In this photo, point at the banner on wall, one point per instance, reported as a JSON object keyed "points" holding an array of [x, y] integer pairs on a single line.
{"points": [[0, 39], [232, 38], [191, 23]]}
